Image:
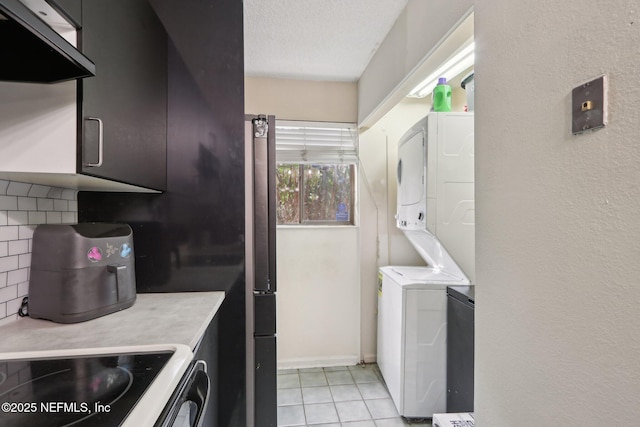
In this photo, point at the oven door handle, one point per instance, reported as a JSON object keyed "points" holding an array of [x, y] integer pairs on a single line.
{"points": [[194, 388], [199, 391]]}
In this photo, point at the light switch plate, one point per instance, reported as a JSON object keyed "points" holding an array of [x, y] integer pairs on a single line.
{"points": [[589, 106]]}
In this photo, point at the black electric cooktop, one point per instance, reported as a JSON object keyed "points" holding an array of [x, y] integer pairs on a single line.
{"points": [[76, 391]]}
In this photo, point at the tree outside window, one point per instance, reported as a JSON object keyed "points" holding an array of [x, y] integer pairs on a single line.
{"points": [[314, 194]]}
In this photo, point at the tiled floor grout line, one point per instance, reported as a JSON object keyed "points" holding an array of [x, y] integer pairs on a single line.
{"points": [[360, 391], [304, 408], [333, 401], [367, 381]]}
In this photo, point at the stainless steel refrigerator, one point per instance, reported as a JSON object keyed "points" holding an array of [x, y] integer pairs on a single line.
{"points": [[260, 258]]}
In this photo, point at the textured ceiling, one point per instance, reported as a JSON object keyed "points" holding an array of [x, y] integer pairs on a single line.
{"points": [[330, 40]]}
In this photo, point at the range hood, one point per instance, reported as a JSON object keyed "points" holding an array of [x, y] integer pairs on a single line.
{"points": [[31, 51]]}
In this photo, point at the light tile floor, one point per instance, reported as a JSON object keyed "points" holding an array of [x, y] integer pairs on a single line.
{"points": [[347, 396]]}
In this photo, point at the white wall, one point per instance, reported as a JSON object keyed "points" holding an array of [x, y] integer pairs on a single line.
{"points": [[301, 99], [381, 243], [37, 124], [318, 296], [419, 31], [558, 291], [318, 273]]}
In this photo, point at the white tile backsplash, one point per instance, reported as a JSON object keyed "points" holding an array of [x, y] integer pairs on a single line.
{"points": [[8, 293], [60, 205], [22, 207], [39, 190], [8, 203], [18, 188], [24, 261], [54, 217], [26, 231], [17, 247], [29, 204], [55, 193], [13, 306], [18, 217], [37, 218], [45, 204], [69, 195], [8, 263], [8, 232], [17, 276], [69, 217]]}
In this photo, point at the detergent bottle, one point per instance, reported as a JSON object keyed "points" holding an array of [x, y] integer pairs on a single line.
{"points": [[442, 96]]}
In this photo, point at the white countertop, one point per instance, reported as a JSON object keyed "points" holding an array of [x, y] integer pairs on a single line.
{"points": [[162, 318], [162, 321]]}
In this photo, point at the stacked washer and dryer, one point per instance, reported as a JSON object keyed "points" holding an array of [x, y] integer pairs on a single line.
{"points": [[436, 213]]}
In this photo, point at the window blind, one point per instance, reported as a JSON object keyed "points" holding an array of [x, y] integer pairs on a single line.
{"points": [[316, 142]]}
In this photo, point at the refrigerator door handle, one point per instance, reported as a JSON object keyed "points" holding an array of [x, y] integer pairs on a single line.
{"points": [[264, 204]]}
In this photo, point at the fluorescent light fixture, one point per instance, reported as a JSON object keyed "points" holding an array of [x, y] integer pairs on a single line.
{"points": [[454, 66]]}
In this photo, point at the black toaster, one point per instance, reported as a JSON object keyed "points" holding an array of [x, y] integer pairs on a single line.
{"points": [[82, 271]]}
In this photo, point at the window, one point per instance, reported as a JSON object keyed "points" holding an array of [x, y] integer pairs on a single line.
{"points": [[315, 193], [316, 171]]}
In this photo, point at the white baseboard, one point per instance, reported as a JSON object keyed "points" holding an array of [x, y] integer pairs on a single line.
{"points": [[318, 362], [370, 358]]}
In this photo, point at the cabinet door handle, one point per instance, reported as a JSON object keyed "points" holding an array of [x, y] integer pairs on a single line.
{"points": [[100, 143]]}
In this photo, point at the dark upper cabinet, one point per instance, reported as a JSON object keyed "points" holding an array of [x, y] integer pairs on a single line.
{"points": [[192, 236], [122, 128]]}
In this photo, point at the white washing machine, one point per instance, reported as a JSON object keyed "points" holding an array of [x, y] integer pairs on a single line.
{"points": [[412, 337], [435, 210]]}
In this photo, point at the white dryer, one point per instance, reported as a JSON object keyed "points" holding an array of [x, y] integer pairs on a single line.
{"points": [[436, 213], [436, 189]]}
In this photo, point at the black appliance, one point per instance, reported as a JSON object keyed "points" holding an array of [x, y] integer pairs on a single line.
{"points": [[261, 270], [81, 271], [91, 391], [33, 52], [460, 348], [192, 237]]}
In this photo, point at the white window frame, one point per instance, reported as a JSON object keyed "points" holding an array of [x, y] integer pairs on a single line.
{"points": [[305, 142]]}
